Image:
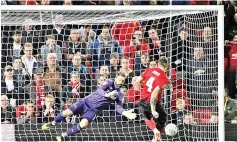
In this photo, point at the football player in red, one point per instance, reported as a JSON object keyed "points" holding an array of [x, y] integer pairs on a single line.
{"points": [[153, 82]]}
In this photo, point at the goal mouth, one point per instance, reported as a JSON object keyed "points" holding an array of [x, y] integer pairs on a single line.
{"points": [[181, 32]]}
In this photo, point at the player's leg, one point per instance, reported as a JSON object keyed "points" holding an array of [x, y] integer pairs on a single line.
{"points": [[87, 117], [74, 109], [161, 120], [146, 110]]}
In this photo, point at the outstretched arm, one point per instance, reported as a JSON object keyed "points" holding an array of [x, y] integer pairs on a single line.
{"points": [[129, 113]]}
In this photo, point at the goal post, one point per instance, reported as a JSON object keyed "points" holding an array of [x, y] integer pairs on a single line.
{"points": [[173, 19]]}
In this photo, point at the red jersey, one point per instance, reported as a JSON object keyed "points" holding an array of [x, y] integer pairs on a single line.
{"points": [[152, 78]]}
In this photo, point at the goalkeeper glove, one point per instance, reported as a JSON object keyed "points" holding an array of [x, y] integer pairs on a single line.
{"points": [[129, 114], [112, 95]]}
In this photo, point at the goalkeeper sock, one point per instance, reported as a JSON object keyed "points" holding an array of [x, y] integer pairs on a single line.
{"points": [[150, 124], [59, 117], [73, 130]]}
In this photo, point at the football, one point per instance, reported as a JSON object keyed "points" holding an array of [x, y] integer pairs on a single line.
{"points": [[171, 129]]}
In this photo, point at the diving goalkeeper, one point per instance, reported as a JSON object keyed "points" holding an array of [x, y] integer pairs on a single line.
{"points": [[88, 107]]}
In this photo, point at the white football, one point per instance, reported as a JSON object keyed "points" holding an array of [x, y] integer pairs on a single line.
{"points": [[171, 129]]}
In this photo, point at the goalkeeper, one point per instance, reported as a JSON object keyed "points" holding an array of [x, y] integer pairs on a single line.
{"points": [[107, 93]]}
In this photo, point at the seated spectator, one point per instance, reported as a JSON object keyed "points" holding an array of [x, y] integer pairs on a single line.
{"points": [[181, 50], [74, 89], [231, 79], [138, 46], [180, 112], [50, 47], [141, 64], [12, 49], [31, 35], [200, 67], [88, 35], [129, 2], [95, 2], [25, 113], [153, 64], [67, 2], [8, 114], [104, 70], [103, 47], [97, 83], [128, 72], [156, 44], [38, 89], [114, 65], [134, 92], [29, 62], [55, 77], [48, 111], [230, 107], [10, 86], [43, 2], [21, 74], [78, 45], [80, 68]]}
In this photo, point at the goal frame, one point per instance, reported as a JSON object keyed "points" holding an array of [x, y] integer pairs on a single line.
{"points": [[219, 9]]}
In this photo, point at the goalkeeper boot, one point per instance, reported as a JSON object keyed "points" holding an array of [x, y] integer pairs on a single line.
{"points": [[46, 126], [59, 138]]}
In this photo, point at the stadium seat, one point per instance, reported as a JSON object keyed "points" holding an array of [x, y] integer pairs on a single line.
{"points": [[202, 116]]}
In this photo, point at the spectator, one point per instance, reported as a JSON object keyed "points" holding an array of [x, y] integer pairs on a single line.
{"points": [[199, 68], [10, 87], [179, 114], [102, 48], [141, 64], [50, 47], [26, 113], [156, 44], [128, 2], [80, 68], [95, 2], [104, 70], [21, 74], [43, 2], [138, 46], [180, 2], [114, 65], [231, 70], [152, 64], [77, 45], [123, 32], [188, 119], [48, 111], [230, 107], [67, 2], [58, 30], [88, 35], [29, 61], [97, 83], [55, 77], [181, 50], [31, 35], [10, 50], [38, 89], [74, 89], [128, 72], [229, 14], [7, 113]]}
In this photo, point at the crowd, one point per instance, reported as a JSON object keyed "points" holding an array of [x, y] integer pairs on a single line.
{"points": [[46, 68]]}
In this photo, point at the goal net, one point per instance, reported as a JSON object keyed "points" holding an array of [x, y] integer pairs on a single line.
{"points": [[91, 45]]}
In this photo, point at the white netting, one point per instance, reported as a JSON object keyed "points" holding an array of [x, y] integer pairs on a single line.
{"points": [[187, 38]]}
